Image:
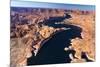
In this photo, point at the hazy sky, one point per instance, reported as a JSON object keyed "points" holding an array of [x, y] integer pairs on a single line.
{"points": [[91, 2], [50, 5]]}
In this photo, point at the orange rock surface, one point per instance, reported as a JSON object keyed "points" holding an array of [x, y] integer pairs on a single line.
{"points": [[26, 31]]}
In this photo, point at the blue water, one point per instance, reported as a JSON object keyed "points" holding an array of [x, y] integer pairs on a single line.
{"points": [[52, 51], [51, 5]]}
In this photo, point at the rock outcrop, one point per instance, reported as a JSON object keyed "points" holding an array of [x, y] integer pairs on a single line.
{"points": [[28, 32]]}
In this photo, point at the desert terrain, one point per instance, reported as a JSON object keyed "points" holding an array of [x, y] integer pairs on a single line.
{"points": [[30, 29]]}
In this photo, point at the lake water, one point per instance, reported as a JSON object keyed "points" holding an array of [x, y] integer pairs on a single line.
{"points": [[52, 51]]}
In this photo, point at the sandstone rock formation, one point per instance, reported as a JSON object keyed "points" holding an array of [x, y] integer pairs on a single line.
{"points": [[28, 31], [87, 44]]}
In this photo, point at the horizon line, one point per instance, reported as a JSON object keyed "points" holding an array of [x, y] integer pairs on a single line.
{"points": [[34, 4]]}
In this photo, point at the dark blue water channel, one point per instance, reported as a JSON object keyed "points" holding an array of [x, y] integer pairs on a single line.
{"points": [[52, 51]]}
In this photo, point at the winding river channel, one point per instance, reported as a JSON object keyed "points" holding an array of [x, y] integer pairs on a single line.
{"points": [[52, 51]]}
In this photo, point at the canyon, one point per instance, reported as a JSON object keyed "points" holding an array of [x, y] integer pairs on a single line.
{"points": [[32, 28]]}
